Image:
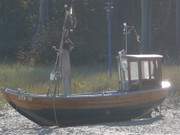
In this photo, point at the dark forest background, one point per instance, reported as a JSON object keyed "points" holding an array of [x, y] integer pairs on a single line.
{"points": [[29, 29]]}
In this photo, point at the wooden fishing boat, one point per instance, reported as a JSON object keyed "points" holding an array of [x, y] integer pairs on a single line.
{"points": [[140, 92]]}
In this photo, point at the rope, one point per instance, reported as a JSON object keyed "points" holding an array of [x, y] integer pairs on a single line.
{"points": [[68, 26], [54, 110]]}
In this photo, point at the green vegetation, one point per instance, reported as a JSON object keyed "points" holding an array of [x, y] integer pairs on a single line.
{"points": [[85, 79], [18, 76], [37, 79], [20, 30], [94, 82]]}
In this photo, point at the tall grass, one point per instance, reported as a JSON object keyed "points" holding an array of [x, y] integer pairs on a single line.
{"points": [[84, 79], [36, 79], [94, 82], [19, 76]]}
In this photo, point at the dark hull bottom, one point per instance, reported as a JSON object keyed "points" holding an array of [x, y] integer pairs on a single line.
{"points": [[76, 117]]}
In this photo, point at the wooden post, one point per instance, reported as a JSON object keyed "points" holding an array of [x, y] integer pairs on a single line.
{"points": [[109, 8], [146, 25], [66, 72]]}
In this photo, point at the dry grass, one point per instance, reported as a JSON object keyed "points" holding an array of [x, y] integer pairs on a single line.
{"points": [[19, 76], [85, 79], [36, 79]]}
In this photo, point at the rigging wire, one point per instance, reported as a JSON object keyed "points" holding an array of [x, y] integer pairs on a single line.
{"points": [[65, 43]]}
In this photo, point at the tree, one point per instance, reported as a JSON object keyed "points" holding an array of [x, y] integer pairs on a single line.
{"points": [[178, 25], [39, 38]]}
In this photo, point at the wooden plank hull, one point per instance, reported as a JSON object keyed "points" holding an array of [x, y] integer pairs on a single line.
{"points": [[85, 109]]}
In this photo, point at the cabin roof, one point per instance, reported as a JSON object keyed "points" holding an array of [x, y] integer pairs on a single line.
{"points": [[144, 56]]}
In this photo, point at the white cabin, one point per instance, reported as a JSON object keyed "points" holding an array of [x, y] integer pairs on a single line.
{"points": [[139, 71]]}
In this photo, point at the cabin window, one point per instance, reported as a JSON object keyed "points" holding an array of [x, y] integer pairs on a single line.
{"points": [[134, 71], [157, 65], [152, 70], [145, 70]]}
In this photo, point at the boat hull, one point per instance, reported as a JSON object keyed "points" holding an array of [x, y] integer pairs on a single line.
{"points": [[83, 110]]}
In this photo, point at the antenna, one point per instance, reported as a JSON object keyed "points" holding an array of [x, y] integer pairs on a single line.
{"points": [[125, 32], [127, 29]]}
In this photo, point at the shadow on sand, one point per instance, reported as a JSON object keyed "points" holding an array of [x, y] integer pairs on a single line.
{"points": [[136, 122], [45, 130]]}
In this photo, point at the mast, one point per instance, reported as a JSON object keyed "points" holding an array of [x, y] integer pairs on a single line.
{"points": [[62, 70]]}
